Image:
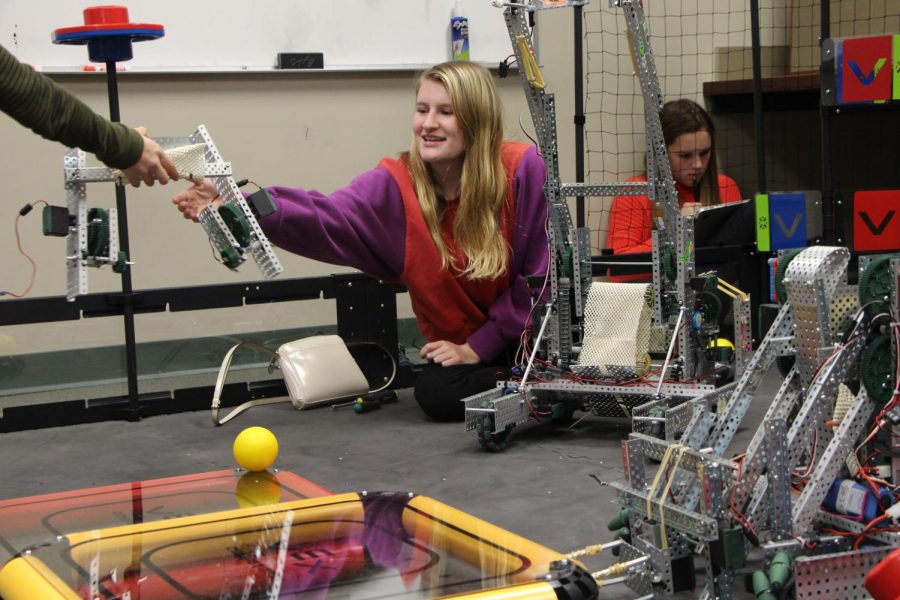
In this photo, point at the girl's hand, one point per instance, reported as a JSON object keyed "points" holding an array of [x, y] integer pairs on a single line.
{"points": [[448, 354], [194, 199]]}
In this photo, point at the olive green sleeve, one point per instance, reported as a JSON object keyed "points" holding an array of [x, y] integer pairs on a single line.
{"points": [[46, 108]]}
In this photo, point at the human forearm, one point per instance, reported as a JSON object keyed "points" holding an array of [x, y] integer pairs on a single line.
{"points": [[49, 110], [361, 225]]}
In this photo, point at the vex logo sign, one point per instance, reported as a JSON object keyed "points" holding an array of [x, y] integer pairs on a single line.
{"points": [[789, 231], [787, 212], [876, 225], [861, 73], [867, 79]]}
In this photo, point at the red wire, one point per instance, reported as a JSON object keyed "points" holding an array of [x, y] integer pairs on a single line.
{"points": [[26, 255]]}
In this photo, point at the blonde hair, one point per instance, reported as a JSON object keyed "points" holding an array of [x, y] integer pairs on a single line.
{"points": [[483, 185]]}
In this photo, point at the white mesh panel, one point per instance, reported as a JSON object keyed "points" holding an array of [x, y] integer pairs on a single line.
{"points": [[617, 328], [845, 399], [190, 161]]}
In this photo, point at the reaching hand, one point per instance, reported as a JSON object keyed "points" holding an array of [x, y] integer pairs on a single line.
{"points": [[447, 353], [153, 165], [194, 199]]}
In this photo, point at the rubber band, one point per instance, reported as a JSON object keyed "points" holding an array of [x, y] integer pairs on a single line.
{"points": [[529, 65]]}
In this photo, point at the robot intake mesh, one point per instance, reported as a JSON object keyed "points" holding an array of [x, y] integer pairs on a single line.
{"points": [[190, 161], [617, 328]]}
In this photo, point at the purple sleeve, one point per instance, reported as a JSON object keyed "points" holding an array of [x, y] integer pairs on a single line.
{"points": [[361, 226], [508, 317]]}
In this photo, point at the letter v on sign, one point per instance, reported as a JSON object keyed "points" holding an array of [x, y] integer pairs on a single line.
{"points": [[789, 231], [877, 229], [875, 222], [861, 74], [867, 79]]}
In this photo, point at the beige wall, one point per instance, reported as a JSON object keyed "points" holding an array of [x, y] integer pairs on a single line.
{"points": [[319, 129], [849, 18], [314, 130]]}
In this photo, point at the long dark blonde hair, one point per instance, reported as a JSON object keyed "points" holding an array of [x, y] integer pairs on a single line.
{"points": [[483, 185]]}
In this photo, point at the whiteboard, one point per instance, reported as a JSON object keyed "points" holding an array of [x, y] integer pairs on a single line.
{"points": [[238, 35]]}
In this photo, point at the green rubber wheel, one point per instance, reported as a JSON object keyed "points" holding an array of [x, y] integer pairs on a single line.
{"points": [[564, 411], [484, 427], [876, 369], [781, 271], [567, 262], [121, 263], [97, 232], [231, 258], [875, 284], [236, 222], [669, 263], [657, 429]]}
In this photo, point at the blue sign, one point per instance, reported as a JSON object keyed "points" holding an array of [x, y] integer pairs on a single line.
{"points": [[787, 220]]}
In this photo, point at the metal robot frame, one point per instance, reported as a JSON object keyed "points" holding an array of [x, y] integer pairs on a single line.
{"points": [[235, 239], [495, 413]]}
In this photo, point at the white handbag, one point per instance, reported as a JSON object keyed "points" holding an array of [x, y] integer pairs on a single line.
{"points": [[316, 370]]}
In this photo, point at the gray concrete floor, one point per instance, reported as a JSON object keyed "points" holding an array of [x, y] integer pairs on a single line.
{"points": [[548, 486]]}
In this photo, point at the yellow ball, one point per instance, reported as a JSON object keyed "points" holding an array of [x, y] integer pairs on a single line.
{"points": [[255, 448], [257, 488]]}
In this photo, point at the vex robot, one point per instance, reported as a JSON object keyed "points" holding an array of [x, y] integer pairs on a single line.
{"points": [[92, 234], [98, 237], [813, 488], [576, 361]]}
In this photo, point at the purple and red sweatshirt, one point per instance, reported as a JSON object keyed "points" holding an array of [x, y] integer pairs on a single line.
{"points": [[366, 226]]}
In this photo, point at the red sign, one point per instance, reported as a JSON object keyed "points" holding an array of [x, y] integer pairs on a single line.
{"points": [[876, 222], [865, 73]]}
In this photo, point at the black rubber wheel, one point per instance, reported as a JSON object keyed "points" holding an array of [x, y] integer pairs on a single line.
{"points": [[710, 305], [97, 232], [484, 427]]}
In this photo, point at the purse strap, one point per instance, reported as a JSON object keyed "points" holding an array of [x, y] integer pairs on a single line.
{"points": [[220, 383], [226, 364]]}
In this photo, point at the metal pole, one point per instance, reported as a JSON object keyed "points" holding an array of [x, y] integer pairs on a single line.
{"points": [[132, 413], [758, 119], [579, 114], [828, 203]]}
